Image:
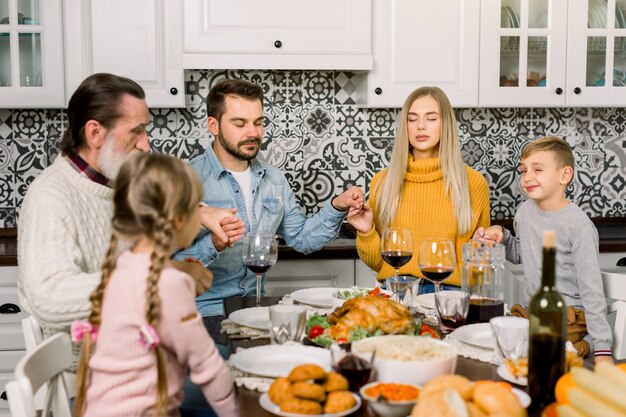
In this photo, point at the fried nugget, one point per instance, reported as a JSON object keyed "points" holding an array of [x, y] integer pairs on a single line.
{"points": [[338, 401], [280, 390], [335, 382], [306, 372], [299, 406], [308, 391]]}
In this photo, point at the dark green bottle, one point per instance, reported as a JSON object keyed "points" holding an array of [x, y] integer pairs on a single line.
{"points": [[547, 331]]}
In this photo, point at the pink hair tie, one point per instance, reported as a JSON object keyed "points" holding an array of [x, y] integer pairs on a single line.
{"points": [[80, 328], [148, 337]]}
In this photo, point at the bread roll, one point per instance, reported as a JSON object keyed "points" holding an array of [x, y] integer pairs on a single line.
{"points": [[444, 402], [494, 398], [458, 383]]}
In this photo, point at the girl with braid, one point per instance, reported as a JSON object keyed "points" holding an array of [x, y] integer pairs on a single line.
{"points": [[144, 331]]}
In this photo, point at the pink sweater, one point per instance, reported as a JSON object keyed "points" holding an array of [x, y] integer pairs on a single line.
{"points": [[124, 373]]}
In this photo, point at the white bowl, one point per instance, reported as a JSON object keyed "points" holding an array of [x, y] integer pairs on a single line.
{"points": [[416, 370], [388, 408]]}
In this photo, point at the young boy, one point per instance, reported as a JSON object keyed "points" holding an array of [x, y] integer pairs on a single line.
{"points": [[547, 168]]}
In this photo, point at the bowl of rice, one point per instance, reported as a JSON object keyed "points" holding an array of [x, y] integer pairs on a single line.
{"points": [[408, 359]]}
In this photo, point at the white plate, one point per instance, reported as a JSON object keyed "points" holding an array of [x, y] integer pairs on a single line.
{"points": [[478, 335], [425, 301], [504, 373], [278, 360], [524, 399], [255, 317], [316, 297], [268, 405]]}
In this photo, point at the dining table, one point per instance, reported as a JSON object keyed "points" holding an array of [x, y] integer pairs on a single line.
{"points": [[249, 400]]}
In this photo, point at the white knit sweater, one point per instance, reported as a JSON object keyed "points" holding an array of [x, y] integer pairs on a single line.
{"points": [[64, 231]]}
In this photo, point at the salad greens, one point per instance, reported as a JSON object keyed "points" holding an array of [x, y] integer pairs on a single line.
{"points": [[353, 292]]}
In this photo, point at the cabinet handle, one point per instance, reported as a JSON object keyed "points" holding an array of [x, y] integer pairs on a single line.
{"points": [[378, 91], [9, 308], [3, 396], [621, 261], [577, 90], [558, 91], [173, 91], [278, 44]]}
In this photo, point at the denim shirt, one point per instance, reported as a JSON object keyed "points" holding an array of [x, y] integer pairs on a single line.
{"points": [[274, 210]]}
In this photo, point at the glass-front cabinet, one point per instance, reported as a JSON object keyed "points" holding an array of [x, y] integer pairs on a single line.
{"points": [[552, 53], [31, 54]]}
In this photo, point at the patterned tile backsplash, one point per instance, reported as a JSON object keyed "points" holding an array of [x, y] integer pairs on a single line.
{"points": [[323, 141]]}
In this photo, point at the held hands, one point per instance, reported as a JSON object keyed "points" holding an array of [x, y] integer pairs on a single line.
{"points": [[490, 234], [225, 227], [201, 275], [361, 219], [351, 198]]}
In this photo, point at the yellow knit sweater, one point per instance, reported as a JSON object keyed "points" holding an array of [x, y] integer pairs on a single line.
{"points": [[426, 209]]}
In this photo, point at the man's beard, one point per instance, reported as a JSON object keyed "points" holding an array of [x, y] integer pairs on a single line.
{"points": [[234, 149], [110, 160]]}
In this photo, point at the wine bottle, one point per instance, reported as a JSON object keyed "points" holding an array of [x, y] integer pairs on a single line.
{"points": [[547, 331]]}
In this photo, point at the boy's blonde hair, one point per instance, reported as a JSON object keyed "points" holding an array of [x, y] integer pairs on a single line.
{"points": [[450, 160], [561, 149], [151, 191]]}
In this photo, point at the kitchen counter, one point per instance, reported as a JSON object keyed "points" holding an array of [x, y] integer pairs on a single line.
{"points": [[612, 232]]}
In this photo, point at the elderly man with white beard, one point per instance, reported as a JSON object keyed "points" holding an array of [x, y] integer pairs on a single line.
{"points": [[65, 219]]}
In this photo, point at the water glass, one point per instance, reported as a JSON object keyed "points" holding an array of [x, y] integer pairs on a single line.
{"points": [[287, 323], [452, 307], [402, 288], [511, 336]]}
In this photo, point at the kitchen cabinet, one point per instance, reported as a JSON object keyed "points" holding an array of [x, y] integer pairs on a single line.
{"points": [[139, 39], [31, 54], [277, 34], [563, 47], [291, 275], [424, 42], [12, 346]]}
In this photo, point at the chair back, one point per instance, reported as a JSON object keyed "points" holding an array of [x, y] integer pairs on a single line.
{"points": [[33, 336], [615, 292], [44, 364]]}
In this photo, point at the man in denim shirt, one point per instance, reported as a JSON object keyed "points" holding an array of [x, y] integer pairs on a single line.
{"points": [[234, 178]]}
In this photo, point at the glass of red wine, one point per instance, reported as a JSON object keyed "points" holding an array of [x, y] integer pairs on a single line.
{"points": [[260, 252], [357, 369], [396, 248], [437, 259], [452, 307]]}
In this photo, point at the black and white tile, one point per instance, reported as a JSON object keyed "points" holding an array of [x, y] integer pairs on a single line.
{"points": [[317, 134]]}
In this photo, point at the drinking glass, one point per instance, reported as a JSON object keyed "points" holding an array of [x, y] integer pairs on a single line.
{"points": [[511, 335], [452, 307], [357, 369], [287, 323], [259, 254], [437, 259], [396, 248]]}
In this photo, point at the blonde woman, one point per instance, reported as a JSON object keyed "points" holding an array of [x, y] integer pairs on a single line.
{"points": [[427, 188], [144, 329]]}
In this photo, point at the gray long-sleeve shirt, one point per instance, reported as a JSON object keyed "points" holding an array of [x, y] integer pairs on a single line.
{"points": [[578, 276]]}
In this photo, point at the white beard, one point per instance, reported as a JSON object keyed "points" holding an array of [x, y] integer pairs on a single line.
{"points": [[110, 160]]}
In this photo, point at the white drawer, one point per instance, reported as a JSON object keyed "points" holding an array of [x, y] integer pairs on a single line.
{"points": [[9, 295], [8, 276], [10, 358], [4, 404], [11, 336]]}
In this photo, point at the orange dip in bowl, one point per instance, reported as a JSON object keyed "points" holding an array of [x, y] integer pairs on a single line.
{"points": [[393, 392]]}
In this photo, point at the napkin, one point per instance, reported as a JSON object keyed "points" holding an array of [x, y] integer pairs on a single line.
{"points": [[468, 351], [236, 331]]}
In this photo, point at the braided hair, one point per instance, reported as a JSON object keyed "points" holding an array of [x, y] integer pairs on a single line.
{"points": [[151, 191]]}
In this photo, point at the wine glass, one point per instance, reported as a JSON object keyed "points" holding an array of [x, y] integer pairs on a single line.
{"points": [[259, 254], [437, 259], [396, 248]]}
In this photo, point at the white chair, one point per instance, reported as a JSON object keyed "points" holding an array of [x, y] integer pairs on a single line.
{"points": [[33, 336], [615, 291], [44, 364]]}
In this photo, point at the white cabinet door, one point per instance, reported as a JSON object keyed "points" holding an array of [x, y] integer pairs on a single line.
{"points": [[523, 37], [596, 42], [288, 276], [277, 34], [424, 42], [138, 39], [31, 54], [364, 276]]}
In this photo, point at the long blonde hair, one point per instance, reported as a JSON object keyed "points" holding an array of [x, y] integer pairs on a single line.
{"points": [[451, 163], [151, 191]]}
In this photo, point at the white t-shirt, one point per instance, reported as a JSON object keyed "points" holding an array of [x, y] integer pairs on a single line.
{"points": [[244, 178]]}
